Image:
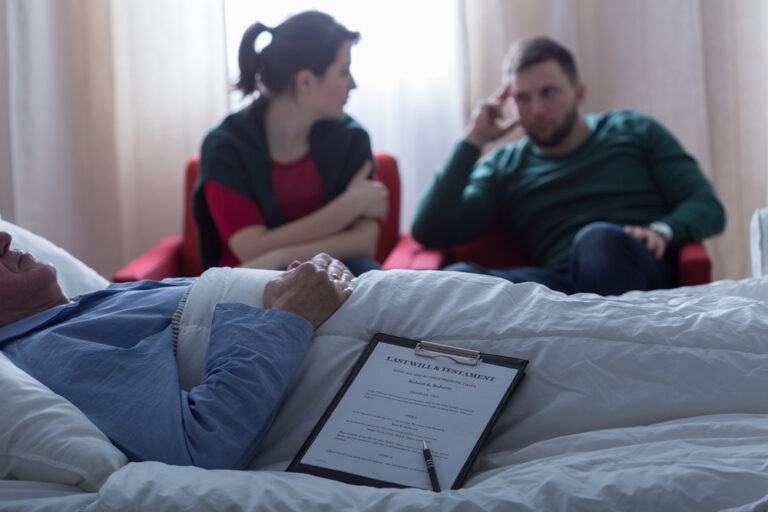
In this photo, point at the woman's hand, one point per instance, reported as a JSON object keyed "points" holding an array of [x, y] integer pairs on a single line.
{"points": [[369, 198]]}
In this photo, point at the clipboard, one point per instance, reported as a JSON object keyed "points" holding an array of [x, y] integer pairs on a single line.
{"points": [[375, 424]]}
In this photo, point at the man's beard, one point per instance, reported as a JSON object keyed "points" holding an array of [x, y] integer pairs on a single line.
{"points": [[560, 133]]}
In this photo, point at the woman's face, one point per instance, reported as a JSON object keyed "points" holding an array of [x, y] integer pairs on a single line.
{"points": [[330, 91]]}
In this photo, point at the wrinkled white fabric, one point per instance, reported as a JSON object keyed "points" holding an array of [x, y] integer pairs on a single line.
{"points": [[654, 402], [647, 401]]}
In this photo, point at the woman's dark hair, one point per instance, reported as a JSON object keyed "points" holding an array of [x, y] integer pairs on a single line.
{"points": [[308, 40]]}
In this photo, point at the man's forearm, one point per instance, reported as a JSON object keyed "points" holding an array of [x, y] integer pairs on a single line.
{"points": [[438, 219], [252, 357], [696, 212], [695, 219]]}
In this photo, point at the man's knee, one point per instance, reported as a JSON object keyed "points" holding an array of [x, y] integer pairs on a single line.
{"points": [[598, 237], [464, 266], [358, 266]]}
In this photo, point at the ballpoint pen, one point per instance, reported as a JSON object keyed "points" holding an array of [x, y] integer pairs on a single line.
{"points": [[431, 467]]}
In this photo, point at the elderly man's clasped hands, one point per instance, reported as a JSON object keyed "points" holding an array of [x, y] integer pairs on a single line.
{"points": [[313, 290]]}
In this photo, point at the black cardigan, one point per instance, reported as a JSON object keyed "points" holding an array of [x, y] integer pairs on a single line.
{"points": [[236, 155]]}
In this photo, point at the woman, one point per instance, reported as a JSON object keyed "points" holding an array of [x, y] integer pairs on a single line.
{"points": [[288, 176]]}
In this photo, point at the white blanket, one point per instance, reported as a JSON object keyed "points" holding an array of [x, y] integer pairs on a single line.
{"points": [[651, 402]]}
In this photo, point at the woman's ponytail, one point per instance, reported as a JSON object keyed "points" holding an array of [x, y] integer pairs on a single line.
{"points": [[249, 59]]}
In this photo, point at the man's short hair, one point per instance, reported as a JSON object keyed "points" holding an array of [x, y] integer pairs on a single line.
{"points": [[529, 52]]}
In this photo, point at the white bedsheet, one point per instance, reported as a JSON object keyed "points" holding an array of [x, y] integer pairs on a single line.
{"points": [[650, 401], [22, 496]]}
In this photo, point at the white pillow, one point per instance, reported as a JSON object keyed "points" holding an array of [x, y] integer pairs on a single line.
{"points": [[43, 437], [74, 276]]}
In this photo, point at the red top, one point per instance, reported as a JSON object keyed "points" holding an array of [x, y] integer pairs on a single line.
{"points": [[298, 189]]}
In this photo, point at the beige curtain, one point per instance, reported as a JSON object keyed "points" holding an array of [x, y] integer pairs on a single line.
{"points": [[106, 100], [7, 202], [698, 66]]}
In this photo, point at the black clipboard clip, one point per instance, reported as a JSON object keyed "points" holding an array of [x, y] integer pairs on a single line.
{"points": [[456, 354]]}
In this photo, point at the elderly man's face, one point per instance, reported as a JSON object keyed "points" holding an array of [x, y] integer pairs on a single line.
{"points": [[27, 286]]}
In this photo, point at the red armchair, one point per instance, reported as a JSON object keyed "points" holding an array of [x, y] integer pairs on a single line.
{"points": [[178, 256], [495, 249]]}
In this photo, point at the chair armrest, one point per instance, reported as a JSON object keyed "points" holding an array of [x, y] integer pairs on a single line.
{"points": [[693, 265], [410, 254], [163, 260]]}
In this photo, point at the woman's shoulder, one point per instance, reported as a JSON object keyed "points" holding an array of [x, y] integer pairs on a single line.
{"points": [[345, 125], [238, 128], [240, 121], [344, 135]]}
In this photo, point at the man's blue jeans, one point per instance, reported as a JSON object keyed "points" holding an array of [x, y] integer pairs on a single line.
{"points": [[361, 265], [604, 260]]}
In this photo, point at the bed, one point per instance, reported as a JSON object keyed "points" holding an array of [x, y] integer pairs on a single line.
{"points": [[646, 401]]}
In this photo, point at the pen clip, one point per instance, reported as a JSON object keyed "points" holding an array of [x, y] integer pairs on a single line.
{"points": [[458, 355]]}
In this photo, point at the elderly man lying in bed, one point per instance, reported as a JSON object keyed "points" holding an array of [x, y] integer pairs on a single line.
{"points": [[111, 353]]}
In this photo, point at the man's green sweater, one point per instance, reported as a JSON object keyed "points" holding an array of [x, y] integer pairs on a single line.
{"points": [[629, 171]]}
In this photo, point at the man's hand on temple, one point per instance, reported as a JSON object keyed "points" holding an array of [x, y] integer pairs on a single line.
{"points": [[313, 290], [489, 121], [653, 241]]}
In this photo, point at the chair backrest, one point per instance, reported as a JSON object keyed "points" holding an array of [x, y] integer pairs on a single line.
{"points": [[492, 249], [386, 171], [191, 264]]}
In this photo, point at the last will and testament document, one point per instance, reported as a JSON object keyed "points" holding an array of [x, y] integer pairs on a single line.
{"points": [[402, 392]]}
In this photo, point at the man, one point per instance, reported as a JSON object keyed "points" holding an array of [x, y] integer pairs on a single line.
{"points": [[600, 203], [111, 353]]}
